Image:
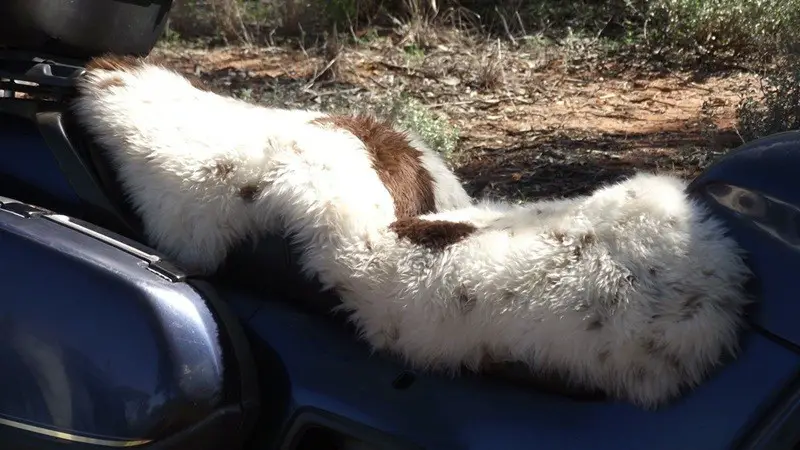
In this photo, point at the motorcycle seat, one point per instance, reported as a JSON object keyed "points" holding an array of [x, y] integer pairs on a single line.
{"points": [[269, 265]]}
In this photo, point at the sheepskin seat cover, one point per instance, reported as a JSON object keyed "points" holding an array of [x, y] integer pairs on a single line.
{"points": [[634, 290]]}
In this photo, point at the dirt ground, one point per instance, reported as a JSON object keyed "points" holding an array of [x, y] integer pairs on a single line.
{"points": [[533, 121]]}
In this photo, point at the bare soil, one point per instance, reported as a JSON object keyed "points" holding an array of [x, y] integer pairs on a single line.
{"points": [[534, 121]]}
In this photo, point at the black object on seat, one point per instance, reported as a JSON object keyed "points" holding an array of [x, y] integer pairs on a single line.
{"points": [[82, 29]]}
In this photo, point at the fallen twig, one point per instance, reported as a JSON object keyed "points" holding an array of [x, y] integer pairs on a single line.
{"points": [[315, 95], [319, 74]]}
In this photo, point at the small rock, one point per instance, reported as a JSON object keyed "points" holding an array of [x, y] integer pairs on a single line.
{"points": [[450, 81]]}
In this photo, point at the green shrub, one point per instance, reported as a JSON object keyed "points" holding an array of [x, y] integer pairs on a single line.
{"points": [[724, 27], [729, 28], [560, 17], [408, 112], [435, 130], [709, 28], [777, 108]]}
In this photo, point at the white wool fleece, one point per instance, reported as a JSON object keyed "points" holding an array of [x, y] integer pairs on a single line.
{"points": [[633, 289]]}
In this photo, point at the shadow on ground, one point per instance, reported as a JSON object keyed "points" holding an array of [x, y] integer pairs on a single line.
{"points": [[559, 165]]}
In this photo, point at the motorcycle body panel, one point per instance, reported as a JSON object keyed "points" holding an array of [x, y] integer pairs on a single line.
{"points": [[330, 377], [755, 190], [104, 344], [29, 170], [46, 160]]}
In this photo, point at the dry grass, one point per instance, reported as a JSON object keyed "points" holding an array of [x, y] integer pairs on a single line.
{"points": [[333, 51], [490, 72], [730, 30]]}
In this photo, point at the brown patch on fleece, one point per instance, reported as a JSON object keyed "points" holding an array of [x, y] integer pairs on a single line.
{"points": [[585, 241], [114, 62], [249, 192], [432, 234], [691, 306], [595, 323], [398, 164], [126, 63], [114, 81], [466, 301], [221, 169]]}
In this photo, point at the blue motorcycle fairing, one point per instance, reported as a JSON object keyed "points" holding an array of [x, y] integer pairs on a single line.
{"points": [[105, 344], [755, 190]]}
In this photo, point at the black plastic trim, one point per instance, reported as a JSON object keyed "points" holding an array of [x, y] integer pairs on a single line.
{"points": [[307, 418], [19, 209], [36, 57], [779, 427], [235, 341], [86, 186], [24, 108], [155, 263], [201, 436]]}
